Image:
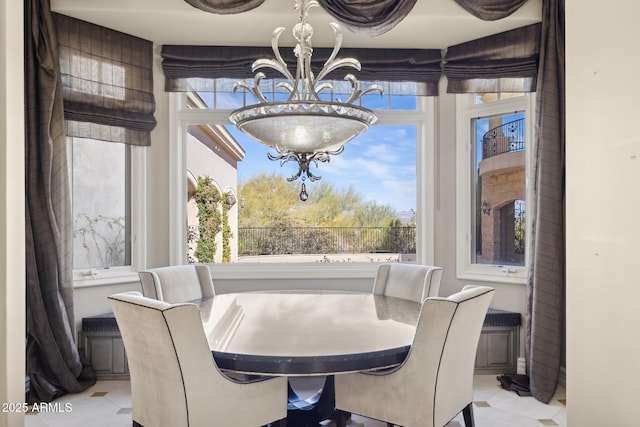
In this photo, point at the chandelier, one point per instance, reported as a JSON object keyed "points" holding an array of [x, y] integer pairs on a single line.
{"points": [[304, 128]]}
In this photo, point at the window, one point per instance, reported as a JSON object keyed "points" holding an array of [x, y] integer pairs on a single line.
{"points": [[401, 119], [494, 135], [104, 221]]}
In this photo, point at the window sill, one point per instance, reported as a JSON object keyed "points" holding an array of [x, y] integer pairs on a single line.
{"points": [[495, 274], [104, 277], [274, 270]]}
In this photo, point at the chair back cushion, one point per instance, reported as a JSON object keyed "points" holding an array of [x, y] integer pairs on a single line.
{"points": [[174, 378], [435, 382], [445, 348], [413, 282], [178, 283], [157, 387]]}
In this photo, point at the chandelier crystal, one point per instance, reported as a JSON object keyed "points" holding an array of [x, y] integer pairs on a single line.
{"points": [[304, 128]]}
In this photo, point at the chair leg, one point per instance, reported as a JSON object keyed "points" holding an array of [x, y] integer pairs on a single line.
{"points": [[467, 414], [341, 418]]}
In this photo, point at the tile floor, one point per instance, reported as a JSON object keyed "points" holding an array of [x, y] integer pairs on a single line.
{"points": [[108, 404]]}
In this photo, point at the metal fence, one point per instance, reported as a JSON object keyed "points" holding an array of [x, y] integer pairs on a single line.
{"points": [[503, 139], [325, 240]]}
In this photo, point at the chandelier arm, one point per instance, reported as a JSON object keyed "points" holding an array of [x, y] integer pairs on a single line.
{"points": [[286, 86], [356, 93], [275, 39], [310, 81], [336, 47], [296, 176], [312, 177], [253, 90], [308, 5], [339, 63], [270, 63], [297, 91], [335, 152], [323, 86], [279, 64], [372, 89]]}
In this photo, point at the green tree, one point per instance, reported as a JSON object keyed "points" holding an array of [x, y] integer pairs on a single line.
{"points": [[329, 207], [371, 214], [270, 200]]}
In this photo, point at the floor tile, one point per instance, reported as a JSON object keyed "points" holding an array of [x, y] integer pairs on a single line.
{"points": [[108, 404], [524, 405]]}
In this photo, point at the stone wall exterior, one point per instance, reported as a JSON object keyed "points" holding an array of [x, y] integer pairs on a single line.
{"points": [[500, 188]]}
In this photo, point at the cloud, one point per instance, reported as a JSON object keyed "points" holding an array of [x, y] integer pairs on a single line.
{"points": [[379, 164], [400, 194]]}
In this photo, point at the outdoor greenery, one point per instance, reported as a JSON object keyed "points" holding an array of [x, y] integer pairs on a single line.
{"points": [[271, 201], [208, 200], [102, 237], [275, 221], [226, 237]]}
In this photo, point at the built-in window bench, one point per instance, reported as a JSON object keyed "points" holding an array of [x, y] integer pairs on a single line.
{"points": [[101, 345], [498, 345]]}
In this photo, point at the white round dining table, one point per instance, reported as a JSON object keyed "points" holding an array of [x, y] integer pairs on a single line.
{"points": [[296, 333]]}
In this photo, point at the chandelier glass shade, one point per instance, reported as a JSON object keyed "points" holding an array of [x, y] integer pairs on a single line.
{"points": [[304, 128]]}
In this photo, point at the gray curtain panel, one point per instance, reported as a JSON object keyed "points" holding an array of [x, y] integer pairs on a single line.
{"points": [[225, 7], [526, 59], [504, 62], [491, 10], [184, 65], [368, 17], [545, 314], [107, 82], [53, 361]]}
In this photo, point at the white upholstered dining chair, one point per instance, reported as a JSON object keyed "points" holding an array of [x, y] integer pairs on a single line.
{"points": [[435, 382], [177, 283], [413, 282], [174, 378]]}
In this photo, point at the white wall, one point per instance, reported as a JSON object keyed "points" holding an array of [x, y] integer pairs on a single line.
{"points": [[12, 258], [603, 207], [158, 158]]}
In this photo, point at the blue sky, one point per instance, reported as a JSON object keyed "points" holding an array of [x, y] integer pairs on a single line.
{"points": [[380, 165]]}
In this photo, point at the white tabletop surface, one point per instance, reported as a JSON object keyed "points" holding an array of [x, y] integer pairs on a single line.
{"points": [[326, 331]]}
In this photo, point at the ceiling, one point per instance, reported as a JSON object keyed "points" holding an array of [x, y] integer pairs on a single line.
{"points": [[431, 23]]}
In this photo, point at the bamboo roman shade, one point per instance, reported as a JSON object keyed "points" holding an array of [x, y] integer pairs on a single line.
{"points": [[410, 71], [107, 82], [504, 62]]}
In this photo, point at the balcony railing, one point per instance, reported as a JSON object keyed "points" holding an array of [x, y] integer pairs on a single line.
{"points": [[321, 240], [503, 139]]}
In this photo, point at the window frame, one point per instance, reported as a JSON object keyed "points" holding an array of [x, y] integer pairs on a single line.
{"points": [[466, 111], [424, 118], [88, 277]]}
